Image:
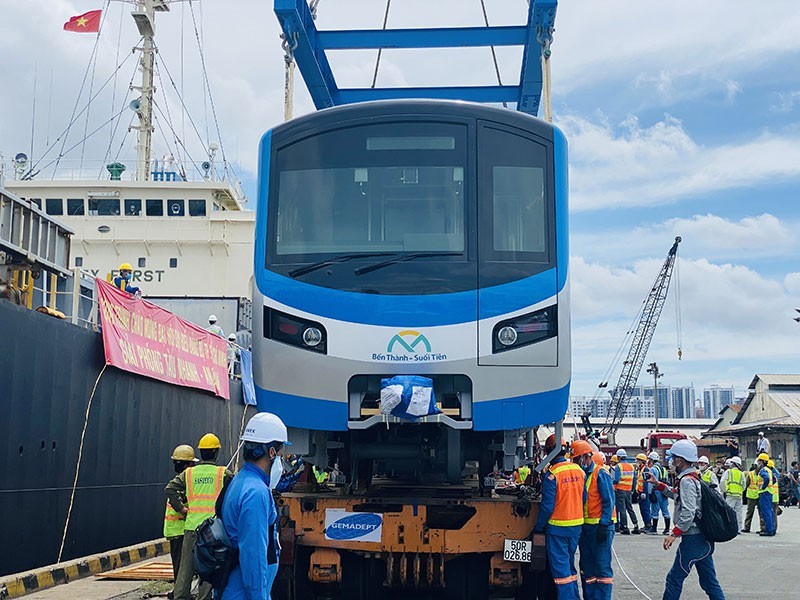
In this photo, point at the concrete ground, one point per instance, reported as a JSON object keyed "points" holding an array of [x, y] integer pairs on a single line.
{"points": [[748, 567], [744, 565]]}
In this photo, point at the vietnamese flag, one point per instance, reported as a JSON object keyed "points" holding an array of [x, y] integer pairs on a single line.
{"points": [[88, 22]]}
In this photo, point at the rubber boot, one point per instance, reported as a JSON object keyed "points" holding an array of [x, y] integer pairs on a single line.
{"points": [[636, 530], [666, 527], [654, 526]]}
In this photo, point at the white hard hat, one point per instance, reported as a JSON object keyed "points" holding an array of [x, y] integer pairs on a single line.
{"points": [[621, 453], [685, 449], [264, 428], [212, 318], [761, 433], [654, 456], [232, 337], [703, 459], [736, 460]]}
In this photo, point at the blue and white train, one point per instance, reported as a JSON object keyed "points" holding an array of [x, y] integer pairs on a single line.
{"points": [[412, 238]]}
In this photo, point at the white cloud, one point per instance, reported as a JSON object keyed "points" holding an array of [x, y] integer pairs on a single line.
{"points": [[634, 165], [785, 101]]}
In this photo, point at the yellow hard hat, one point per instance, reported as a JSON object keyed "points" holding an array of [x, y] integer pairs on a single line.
{"points": [[641, 456], [763, 456], [184, 452], [125, 267], [209, 442], [614, 458], [770, 463]]}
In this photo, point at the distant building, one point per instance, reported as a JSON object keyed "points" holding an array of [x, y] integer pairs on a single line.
{"points": [[673, 403], [715, 398], [683, 401]]}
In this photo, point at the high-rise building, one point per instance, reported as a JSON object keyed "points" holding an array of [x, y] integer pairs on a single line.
{"points": [[715, 398], [683, 401]]}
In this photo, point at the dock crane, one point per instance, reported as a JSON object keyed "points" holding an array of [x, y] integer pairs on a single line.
{"points": [[640, 344]]}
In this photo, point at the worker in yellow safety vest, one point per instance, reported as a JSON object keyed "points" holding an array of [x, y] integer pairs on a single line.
{"points": [[773, 487], [200, 485], [753, 484], [174, 521], [521, 474], [732, 486]]}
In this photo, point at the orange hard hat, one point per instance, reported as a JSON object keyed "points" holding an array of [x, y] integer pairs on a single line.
{"points": [[580, 447], [550, 442]]}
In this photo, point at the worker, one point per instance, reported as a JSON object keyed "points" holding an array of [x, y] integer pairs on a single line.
{"points": [[174, 518], [123, 280], [706, 473], [249, 512], [732, 486], [752, 485], [624, 473], [694, 550], [658, 502], [561, 518], [642, 491], [762, 444], [200, 485], [765, 510], [597, 533], [521, 474], [213, 327], [774, 488], [234, 356]]}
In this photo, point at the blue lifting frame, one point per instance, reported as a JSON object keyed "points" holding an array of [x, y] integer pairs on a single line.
{"points": [[311, 45]]}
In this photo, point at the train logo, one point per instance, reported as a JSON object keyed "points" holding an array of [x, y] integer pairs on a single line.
{"points": [[408, 340]]}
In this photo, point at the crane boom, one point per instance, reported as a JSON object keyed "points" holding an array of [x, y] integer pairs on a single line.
{"points": [[645, 328]]}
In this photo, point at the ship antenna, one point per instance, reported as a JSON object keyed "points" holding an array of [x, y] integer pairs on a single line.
{"points": [[145, 19]]}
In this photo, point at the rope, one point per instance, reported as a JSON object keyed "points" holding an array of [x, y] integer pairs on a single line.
{"points": [[288, 76], [545, 38], [494, 53], [678, 319], [380, 50], [626, 575], [78, 466]]}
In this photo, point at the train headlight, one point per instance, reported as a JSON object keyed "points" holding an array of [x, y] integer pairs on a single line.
{"points": [[507, 336], [312, 337], [295, 331], [525, 329]]}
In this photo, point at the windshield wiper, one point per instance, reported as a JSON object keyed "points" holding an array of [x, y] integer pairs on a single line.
{"points": [[406, 258], [337, 259]]}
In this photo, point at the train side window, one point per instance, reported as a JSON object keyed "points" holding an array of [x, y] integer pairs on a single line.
{"points": [[75, 206], [197, 208], [54, 206], [176, 208], [133, 207], [154, 208]]}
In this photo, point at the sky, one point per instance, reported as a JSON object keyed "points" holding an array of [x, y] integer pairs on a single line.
{"points": [[683, 118]]}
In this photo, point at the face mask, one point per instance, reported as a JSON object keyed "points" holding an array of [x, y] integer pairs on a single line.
{"points": [[276, 472], [671, 464]]}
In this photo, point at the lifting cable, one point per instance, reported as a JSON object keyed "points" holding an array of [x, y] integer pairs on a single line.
{"points": [[494, 52], [78, 466], [380, 50], [545, 38], [678, 319], [288, 75]]}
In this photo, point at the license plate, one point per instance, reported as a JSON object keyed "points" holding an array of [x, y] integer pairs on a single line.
{"points": [[517, 550]]}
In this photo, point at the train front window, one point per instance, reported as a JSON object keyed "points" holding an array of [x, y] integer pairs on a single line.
{"points": [[395, 187]]}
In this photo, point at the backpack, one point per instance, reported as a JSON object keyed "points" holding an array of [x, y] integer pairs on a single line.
{"points": [[717, 521], [214, 553]]}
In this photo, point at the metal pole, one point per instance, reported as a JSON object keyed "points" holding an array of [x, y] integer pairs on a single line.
{"points": [[145, 20]]}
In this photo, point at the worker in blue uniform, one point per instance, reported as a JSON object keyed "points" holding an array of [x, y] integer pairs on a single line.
{"points": [[249, 513], [561, 518], [659, 504], [765, 496], [123, 280], [597, 534]]}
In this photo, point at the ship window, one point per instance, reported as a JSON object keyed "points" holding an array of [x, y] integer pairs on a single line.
{"points": [[103, 207], [78, 261], [175, 208], [54, 206], [173, 263], [133, 207], [155, 208], [142, 262], [197, 208], [37, 202], [75, 206]]}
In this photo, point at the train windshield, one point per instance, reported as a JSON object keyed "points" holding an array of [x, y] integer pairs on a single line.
{"points": [[383, 188]]}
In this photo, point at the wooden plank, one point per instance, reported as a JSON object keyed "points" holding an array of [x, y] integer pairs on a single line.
{"points": [[154, 571]]}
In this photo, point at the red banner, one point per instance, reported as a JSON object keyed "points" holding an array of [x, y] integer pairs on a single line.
{"points": [[146, 339]]}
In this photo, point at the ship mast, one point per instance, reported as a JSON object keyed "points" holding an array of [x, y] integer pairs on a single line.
{"points": [[145, 19]]}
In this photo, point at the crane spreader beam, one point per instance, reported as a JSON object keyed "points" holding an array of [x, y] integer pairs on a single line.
{"points": [[312, 45]]}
